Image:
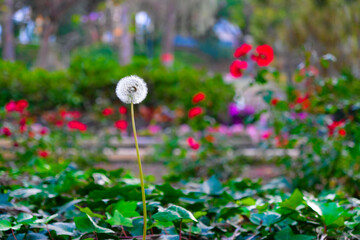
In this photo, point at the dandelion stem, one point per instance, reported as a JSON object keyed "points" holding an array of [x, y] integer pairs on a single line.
{"points": [[140, 170]]}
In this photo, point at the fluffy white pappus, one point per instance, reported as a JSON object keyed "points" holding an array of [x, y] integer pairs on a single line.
{"points": [[131, 89]]}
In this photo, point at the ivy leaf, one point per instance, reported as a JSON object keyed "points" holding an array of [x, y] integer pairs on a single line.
{"points": [[119, 220], [127, 209], [184, 214], [62, 228], [166, 216], [287, 234], [89, 212], [5, 225], [267, 218], [295, 200], [212, 186], [25, 218], [87, 224], [330, 213]]}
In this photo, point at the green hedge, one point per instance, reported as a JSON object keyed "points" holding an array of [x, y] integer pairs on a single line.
{"points": [[91, 77]]}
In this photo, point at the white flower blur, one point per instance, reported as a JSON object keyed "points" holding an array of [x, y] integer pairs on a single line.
{"points": [[131, 89]]}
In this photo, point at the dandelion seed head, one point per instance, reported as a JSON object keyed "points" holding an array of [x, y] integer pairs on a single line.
{"points": [[131, 89]]}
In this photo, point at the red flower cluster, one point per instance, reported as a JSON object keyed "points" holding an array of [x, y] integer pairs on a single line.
{"points": [[121, 125], [193, 143], [263, 56], [332, 127], [76, 125], [18, 106], [200, 96], [70, 114], [6, 131], [108, 111], [195, 111]]}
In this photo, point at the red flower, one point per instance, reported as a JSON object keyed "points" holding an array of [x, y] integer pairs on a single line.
{"points": [[195, 111], [43, 153], [264, 56], [198, 97], [22, 122], [122, 110], [76, 125], [237, 67], [167, 58], [107, 111], [22, 128], [43, 131], [266, 134], [10, 106], [242, 50], [274, 101], [6, 131], [342, 132], [59, 123], [21, 105], [121, 125], [70, 114], [193, 143], [334, 125]]}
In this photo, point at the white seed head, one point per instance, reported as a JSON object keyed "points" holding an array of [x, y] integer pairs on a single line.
{"points": [[131, 89]]}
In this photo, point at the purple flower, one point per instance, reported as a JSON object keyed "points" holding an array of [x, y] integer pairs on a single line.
{"points": [[233, 109]]}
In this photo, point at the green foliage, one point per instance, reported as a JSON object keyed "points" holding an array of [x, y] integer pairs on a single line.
{"points": [[93, 76], [210, 209]]}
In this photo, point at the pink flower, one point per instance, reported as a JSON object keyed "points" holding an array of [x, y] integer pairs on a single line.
{"points": [[10, 106], [154, 129], [266, 134], [193, 143]]}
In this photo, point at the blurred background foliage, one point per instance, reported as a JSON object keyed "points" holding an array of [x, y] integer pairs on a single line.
{"points": [[46, 33]]}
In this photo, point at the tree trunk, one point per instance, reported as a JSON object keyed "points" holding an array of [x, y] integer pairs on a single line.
{"points": [[126, 48], [9, 46], [169, 28], [43, 55]]}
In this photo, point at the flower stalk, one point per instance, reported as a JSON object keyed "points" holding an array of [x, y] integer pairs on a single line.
{"points": [[140, 170]]}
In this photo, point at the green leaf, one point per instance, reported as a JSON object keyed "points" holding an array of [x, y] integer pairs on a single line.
{"points": [[5, 225], [330, 213], [212, 186], [87, 224], [25, 218], [127, 209], [60, 228], [248, 201], [184, 214], [295, 200], [166, 216], [267, 218], [287, 234], [119, 220], [89, 212], [25, 192]]}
